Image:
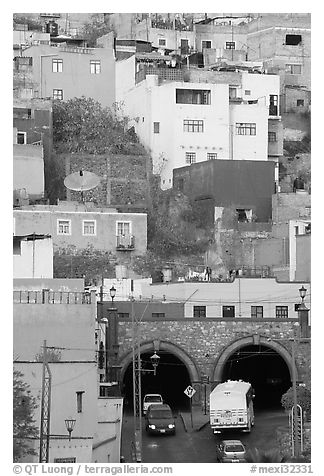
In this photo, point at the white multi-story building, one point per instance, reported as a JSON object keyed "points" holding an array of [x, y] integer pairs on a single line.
{"points": [[199, 118]]}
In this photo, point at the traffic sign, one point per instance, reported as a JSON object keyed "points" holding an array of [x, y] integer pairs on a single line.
{"points": [[190, 391]]}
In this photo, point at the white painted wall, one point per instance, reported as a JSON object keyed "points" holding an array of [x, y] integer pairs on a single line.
{"points": [[149, 102], [107, 439], [293, 224], [35, 260], [242, 293], [67, 379]]}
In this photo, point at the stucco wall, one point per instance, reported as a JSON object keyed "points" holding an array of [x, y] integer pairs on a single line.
{"points": [[30, 221], [303, 257], [71, 326], [28, 169], [35, 260]]}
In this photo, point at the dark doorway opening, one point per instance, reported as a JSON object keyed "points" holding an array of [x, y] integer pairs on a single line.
{"points": [[171, 379], [265, 369]]}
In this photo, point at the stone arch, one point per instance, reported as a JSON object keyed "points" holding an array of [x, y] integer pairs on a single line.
{"points": [[150, 346], [234, 346]]}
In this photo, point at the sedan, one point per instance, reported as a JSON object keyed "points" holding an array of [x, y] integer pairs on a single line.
{"points": [[230, 451]]}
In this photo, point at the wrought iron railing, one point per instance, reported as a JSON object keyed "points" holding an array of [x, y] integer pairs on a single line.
{"points": [[52, 297]]}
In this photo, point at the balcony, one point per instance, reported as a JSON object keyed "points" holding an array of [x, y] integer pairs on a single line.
{"points": [[167, 74], [125, 242]]}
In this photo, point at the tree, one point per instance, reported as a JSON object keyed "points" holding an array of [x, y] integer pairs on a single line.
{"points": [[84, 125], [24, 406], [96, 28], [303, 399], [24, 19]]}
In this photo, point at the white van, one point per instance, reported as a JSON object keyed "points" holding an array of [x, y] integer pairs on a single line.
{"points": [[151, 399]]}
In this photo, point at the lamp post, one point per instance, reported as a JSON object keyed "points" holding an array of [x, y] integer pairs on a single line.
{"points": [[303, 314], [112, 344], [70, 423]]}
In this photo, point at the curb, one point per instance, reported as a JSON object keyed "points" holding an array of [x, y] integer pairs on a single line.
{"points": [[202, 426], [183, 421]]}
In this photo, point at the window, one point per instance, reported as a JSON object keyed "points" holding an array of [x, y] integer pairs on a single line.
{"points": [[184, 46], [244, 215], [192, 96], [193, 125], [21, 137], [190, 157], [156, 127], [272, 136], [211, 156], [58, 94], [300, 102], [205, 44], [162, 42], [230, 45], [228, 311], [293, 68], [199, 311], [256, 311], [123, 228], [64, 227], [22, 113], [95, 67], [246, 128], [79, 396], [293, 40], [248, 92], [89, 227], [57, 65], [232, 92], [273, 105], [281, 312], [65, 460], [158, 314], [123, 315], [17, 247]]}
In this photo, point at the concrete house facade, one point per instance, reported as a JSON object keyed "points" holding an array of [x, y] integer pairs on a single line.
{"points": [[32, 256], [73, 224], [65, 72]]}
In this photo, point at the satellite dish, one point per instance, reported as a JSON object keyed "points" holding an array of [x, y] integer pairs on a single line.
{"points": [[81, 181]]}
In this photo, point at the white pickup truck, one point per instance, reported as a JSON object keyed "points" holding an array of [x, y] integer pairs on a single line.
{"points": [[151, 399]]}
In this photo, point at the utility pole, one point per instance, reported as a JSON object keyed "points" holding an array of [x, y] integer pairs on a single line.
{"points": [[45, 409], [137, 392]]}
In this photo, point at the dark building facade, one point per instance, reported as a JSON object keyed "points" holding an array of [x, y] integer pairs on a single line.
{"points": [[242, 184]]}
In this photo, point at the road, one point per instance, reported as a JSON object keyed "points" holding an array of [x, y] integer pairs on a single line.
{"points": [[199, 446]]}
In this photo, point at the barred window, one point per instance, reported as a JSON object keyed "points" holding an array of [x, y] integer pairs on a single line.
{"points": [[293, 68], [281, 312], [193, 125], [192, 96], [230, 45], [272, 137], [199, 311], [228, 311], [246, 128], [256, 311], [58, 94], [211, 156], [190, 157], [158, 314]]}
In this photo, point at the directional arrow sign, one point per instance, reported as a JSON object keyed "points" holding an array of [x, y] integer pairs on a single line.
{"points": [[190, 391]]}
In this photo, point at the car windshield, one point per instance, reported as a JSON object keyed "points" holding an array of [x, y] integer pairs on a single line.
{"points": [[153, 399], [161, 414], [234, 448]]}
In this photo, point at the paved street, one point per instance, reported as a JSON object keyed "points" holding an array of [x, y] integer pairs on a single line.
{"points": [[199, 446]]}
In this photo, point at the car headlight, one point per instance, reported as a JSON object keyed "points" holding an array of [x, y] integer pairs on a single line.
{"points": [[152, 427], [171, 425]]}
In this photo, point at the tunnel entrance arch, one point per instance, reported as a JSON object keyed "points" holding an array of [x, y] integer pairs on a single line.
{"points": [[175, 372], [266, 364]]}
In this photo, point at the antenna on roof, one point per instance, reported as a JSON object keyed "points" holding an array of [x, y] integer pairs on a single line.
{"points": [[81, 181]]}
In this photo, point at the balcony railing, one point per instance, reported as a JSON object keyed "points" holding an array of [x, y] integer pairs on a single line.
{"points": [[52, 297], [125, 242], [167, 74], [256, 272]]}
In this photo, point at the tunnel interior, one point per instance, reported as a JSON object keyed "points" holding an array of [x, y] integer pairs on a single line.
{"points": [[171, 379], [265, 369]]}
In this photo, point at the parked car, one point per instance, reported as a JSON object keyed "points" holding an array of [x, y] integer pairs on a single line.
{"points": [[230, 451], [151, 399], [159, 420]]}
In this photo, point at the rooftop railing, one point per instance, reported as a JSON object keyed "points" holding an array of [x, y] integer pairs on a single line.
{"points": [[53, 297]]}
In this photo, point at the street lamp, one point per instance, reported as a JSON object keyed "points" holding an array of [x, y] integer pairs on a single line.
{"points": [[112, 294], [303, 314], [70, 423], [155, 359]]}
